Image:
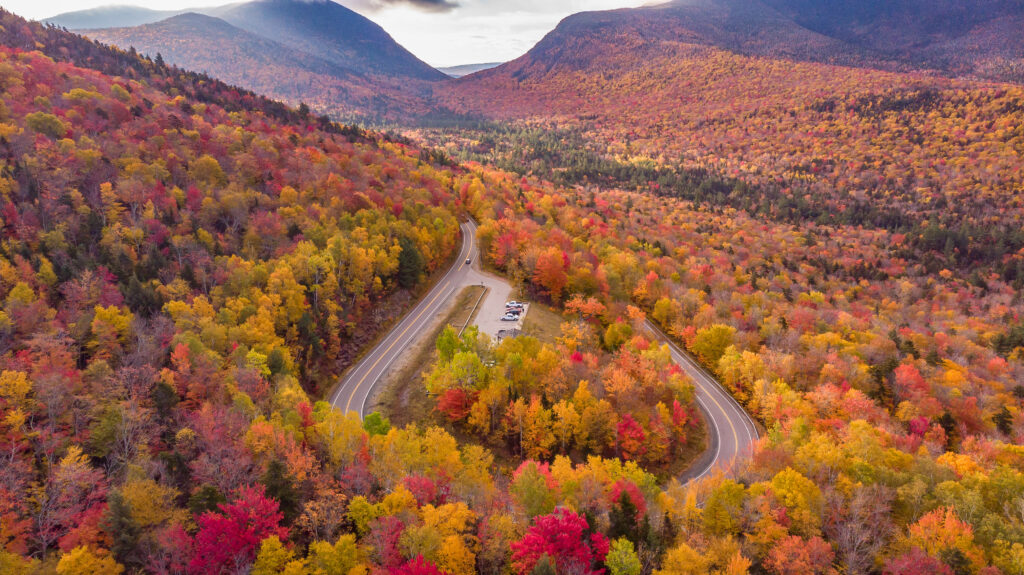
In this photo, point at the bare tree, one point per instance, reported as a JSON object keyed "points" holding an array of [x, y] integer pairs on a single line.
{"points": [[859, 526]]}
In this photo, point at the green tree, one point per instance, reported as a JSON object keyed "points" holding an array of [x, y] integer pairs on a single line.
{"points": [[447, 344], [376, 424], [281, 487], [123, 529], [711, 342], [622, 558], [410, 263], [617, 334], [623, 519], [46, 124], [206, 498]]}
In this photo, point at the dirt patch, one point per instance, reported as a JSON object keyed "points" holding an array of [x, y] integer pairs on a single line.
{"points": [[543, 323]]}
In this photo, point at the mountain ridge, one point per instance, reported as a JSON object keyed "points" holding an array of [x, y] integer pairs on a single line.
{"points": [[323, 28], [331, 32], [211, 45], [987, 48], [319, 53], [112, 16]]}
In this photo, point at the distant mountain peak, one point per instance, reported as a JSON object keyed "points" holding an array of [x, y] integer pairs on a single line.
{"points": [[113, 16], [329, 31]]}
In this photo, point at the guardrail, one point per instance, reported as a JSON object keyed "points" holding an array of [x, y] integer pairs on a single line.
{"points": [[472, 313]]}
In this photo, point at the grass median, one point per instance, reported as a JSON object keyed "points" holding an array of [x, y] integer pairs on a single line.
{"points": [[403, 398]]}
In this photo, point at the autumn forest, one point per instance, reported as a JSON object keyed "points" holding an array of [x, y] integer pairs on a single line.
{"points": [[188, 269]]}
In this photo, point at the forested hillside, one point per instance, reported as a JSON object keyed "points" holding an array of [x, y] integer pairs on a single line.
{"points": [[186, 266], [298, 51], [213, 46], [892, 395], [935, 159], [959, 38]]}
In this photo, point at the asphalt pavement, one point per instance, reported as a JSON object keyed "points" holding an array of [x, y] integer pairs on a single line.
{"points": [[731, 430], [359, 383]]}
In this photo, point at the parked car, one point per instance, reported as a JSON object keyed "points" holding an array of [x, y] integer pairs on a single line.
{"points": [[509, 317], [514, 303]]}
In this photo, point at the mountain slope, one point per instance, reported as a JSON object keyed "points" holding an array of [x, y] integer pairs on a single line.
{"points": [[211, 45], [853, 144], [743, 26], [467, 69], [314, 52], [963, 38], [109, 17], [331, 32], [958, 36]]}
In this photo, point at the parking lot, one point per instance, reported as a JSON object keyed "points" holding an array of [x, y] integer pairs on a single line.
{"points": [[492, 309]]}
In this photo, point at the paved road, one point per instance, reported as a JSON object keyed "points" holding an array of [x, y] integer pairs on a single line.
{"points": [[358, 385], [731, 430]]}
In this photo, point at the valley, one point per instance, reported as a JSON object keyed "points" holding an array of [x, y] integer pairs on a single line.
{"points": [[258, 264]]}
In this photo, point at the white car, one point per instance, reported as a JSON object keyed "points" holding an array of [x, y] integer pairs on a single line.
{"points": [[514, 303], [509, 317]]}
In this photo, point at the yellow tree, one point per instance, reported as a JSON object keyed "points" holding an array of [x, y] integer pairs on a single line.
{"points": [[110, 329], [84, 561]]}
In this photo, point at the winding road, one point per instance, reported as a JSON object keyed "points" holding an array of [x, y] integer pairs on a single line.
{"points": [[358, 384], [731, 430]]}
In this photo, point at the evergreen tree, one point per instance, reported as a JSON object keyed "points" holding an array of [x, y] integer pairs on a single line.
{"points": [[623, 519], [410, 263], [281, 487], [164, 399], [123, 529], [1004, 421], [206, 498]]}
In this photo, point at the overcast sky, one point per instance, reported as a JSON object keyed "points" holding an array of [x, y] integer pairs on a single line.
{"points": [[441, 32]]}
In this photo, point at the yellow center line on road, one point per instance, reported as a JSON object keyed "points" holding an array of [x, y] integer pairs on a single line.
{"points": [[351, 396], [735, 436], [708, 393], [359, 384]]}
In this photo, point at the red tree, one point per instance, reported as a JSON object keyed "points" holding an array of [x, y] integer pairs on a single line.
{"points": [[228, 541], [455, 403], [418, 566], [385, 533], [631, 438], [422, 488], [630, 490], [564, 537], [797, 556], [550, 272], [917, 562]]}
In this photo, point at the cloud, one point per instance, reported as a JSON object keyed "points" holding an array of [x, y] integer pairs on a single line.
{"points": [[425, 5]]}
